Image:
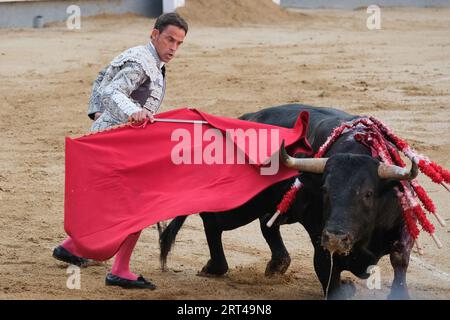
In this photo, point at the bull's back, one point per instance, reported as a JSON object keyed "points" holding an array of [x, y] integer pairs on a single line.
{"points": [[322, 121]]}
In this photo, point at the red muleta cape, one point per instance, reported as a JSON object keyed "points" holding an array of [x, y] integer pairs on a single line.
{"points": [[123, 180]]}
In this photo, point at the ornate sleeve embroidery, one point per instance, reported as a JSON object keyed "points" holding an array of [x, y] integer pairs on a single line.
{"points": [[116, 95], [94, 101]]}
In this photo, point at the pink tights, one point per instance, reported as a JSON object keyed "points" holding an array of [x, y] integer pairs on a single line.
{"points": [[121, 265]]}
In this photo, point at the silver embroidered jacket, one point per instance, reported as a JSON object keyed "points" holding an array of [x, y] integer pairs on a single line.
{"points": [[133, 80]]}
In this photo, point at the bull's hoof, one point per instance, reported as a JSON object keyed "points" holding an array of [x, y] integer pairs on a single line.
{"points": [[213, 270], [399, 294], [345, 291], [277, 266]]}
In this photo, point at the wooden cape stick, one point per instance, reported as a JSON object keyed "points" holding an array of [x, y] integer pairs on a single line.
{"points": [[181, 121]]}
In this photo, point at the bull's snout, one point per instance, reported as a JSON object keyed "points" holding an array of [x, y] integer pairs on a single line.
{"points": [[338, 242]]}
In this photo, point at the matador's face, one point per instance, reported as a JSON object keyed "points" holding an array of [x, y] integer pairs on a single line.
{"points": [[167, 42]]}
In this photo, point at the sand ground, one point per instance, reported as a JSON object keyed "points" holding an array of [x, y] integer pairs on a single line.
{"points": [[400, 74]]}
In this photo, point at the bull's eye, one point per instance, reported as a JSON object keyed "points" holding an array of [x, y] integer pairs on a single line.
{"points": [[369, 194]]}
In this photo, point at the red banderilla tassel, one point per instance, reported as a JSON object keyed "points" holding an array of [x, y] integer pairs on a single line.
{"points": [[286, 202]]}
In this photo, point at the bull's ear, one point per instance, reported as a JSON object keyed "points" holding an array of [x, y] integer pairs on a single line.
{"points": [[388, 185]]}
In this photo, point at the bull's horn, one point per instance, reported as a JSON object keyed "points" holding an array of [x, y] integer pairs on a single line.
{"points": [[386, 171], [312, 165]]}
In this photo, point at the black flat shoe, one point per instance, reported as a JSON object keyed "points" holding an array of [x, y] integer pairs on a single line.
{"points": [[139, 283], [62, 254]]}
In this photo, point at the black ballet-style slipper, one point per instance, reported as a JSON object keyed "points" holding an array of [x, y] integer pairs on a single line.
{"points": [[61, 254], [139, 283]]}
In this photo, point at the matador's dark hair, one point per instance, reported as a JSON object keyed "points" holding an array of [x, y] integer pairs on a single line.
{"points": [[171, 19]]}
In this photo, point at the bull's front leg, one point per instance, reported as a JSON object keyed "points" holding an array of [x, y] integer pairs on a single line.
{"points": [[333, 287], [280, 261], [217, 265], [400, 252]]}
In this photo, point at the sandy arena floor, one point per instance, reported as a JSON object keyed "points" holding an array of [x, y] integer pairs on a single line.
{"points": [[400, 74]]}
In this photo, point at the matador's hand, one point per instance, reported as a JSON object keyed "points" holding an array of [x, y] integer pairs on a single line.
{"points": [[142, 115]]}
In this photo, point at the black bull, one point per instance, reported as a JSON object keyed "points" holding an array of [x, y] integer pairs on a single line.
{"points": [[348, 210]]}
